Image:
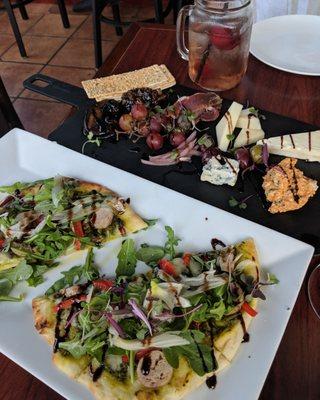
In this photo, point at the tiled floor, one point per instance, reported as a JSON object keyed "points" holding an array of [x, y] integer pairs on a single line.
{"points": [[65, 54]]}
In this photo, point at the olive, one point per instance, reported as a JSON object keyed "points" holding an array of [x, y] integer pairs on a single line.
{"points": [[256, 154]]}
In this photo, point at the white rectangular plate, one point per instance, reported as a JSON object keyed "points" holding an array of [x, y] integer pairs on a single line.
{"points": [[27, 157]]}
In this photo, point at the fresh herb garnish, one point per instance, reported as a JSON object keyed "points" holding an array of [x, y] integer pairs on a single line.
{"points": [[91, 139], [171, 243], [11, 276], [231, 137], [242, 204], [76, 274], [127, 259]]}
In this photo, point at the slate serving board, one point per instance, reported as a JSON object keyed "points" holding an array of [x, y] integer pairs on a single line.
{"points": [[303, 224]]}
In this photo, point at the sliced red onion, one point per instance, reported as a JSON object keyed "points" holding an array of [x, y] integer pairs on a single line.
{"points": [[115, 325], [183, 152], [72, 318], [168, 315], [140, 314]]}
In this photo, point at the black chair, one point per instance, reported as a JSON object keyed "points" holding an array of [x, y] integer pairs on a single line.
{"points": [[97, 17], [9, 7], [8, 116]]}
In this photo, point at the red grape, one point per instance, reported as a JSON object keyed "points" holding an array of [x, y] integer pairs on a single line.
{"points": [[125, 122], [155, 123], [176, 138], [155, 140], [139, 111], [143, 128]]}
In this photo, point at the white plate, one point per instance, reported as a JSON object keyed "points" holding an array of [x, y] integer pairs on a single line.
{"points": [[290, 43], [25, 157]]}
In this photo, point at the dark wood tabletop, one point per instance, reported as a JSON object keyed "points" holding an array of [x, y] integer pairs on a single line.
{"points": [[295, 372]]}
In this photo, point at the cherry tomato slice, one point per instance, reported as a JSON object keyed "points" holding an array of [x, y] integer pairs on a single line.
{"points": [[78, 229], [77, 245], [186, 259], [248, 309], [167, 267], [103, 284]]}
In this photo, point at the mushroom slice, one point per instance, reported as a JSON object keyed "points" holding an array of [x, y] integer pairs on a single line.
{"points": [[153, 370], [103, 218]]}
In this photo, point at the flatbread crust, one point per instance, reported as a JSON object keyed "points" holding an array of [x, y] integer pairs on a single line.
{"points": [[184, 379]]}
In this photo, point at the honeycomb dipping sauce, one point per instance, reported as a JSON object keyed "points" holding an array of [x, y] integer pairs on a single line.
{"points": [[219, 39]]}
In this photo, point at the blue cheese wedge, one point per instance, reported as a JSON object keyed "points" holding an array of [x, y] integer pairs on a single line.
{"points": [[305, 145], [227, 124], [247, 120], [220, 171], [247, 137]]}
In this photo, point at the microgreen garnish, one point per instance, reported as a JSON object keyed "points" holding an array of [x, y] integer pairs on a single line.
{"points": [[91, 139], [231, 137], [242, 204]]}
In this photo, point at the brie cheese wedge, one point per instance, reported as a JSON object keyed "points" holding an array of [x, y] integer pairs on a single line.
{"points": [[248, 120], [220, 170], [305, 146], [248, 136], [226, 125]]}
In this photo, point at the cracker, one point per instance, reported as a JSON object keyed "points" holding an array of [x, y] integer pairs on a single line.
{"points": [[112, 87]]}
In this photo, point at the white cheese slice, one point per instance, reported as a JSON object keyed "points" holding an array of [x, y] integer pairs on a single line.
{"points": [[220, 170], [226, 125], [248, 120], [305, 146], [247, 137]]}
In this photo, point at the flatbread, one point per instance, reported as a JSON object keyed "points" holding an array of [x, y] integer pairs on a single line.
{"points": [[131, 221], [184, 379]]}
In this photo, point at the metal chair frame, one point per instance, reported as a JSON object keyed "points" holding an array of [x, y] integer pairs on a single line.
{"points": [[9, 7], [8, 116], [97, 17]]}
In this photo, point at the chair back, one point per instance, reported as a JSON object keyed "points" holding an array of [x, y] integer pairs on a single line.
{"points": [[8, 116]]}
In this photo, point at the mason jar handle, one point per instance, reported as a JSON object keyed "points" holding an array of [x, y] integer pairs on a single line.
{"points": [[181, 22]]}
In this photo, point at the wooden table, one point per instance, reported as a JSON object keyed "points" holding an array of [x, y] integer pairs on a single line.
{"points": [[295, 373]]}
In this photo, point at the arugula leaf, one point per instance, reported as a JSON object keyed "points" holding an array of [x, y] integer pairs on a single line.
{"points": [[199, 355], [150, 222], [172, 356], [74, 347], [171, 243], [89, 271], [272, 279], [149, 254], [10, 298], [19, 273], [12, 188], [127, 259], [5, 286]]}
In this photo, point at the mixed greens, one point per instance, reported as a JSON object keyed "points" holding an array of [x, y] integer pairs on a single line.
{"points": [[179, 305], [40, 221]]}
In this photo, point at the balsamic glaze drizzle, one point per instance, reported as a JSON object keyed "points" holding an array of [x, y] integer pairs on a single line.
{"points": [[146, 364], [98, 372], [246, 336], [211, 381]]}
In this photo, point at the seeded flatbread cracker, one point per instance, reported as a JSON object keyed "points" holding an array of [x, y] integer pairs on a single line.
{"points": [[112, 87]]}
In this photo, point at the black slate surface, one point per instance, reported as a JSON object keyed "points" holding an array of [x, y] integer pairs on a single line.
{"points": [[303, 224]]}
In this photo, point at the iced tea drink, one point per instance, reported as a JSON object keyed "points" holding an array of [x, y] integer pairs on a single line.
{"points": [[219, 40]]}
